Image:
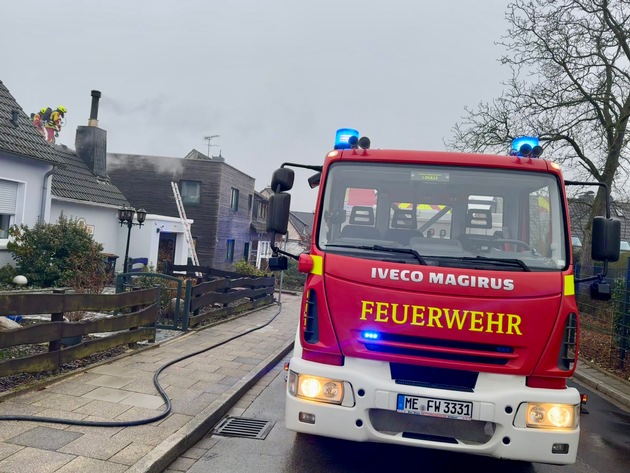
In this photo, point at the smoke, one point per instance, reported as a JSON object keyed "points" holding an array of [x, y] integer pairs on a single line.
{"points": [[169, 166]]}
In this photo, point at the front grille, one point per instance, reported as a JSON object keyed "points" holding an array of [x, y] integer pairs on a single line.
{"points": [[433, 429], [432, 348], [436, 378]]}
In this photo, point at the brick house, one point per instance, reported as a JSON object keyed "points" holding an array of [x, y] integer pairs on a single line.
{"points": [[217, 196]]}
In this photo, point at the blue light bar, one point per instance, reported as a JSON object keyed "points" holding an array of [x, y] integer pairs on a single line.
{"points": [[523, 146], [343, 136], [370, 335], [521, 140]]}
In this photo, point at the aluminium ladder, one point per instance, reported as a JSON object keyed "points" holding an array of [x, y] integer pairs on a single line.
{"points": [[184, 220]]}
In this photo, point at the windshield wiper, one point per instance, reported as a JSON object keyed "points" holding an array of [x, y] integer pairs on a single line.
{"points": [[504, 261], [408, 251]]}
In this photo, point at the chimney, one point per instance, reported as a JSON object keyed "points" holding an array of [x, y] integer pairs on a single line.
{"points": [[91, 141], [93, 121], [14, 117]]}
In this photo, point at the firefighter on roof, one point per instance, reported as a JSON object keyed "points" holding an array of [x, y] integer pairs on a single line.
{"points": [[40, 118], [54, 123]]}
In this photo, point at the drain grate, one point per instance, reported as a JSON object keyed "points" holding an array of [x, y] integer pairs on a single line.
{"points": [[243, 427]]}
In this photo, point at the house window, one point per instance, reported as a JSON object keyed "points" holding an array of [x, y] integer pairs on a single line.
{"points": [[234, 201], [230, 250], [8, 204], [250, 199], [246, 252], [191, 192]]}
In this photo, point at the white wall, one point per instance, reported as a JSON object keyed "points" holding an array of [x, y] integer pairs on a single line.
{"points": [[144, 241], [100, 220], [29, 174]]}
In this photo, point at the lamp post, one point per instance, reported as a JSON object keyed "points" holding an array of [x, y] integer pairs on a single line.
{"points": [[125, 217]]}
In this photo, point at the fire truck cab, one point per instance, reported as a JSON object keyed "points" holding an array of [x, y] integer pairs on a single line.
{"points": [[439, 308]]}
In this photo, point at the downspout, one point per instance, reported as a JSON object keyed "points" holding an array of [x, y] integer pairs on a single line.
{"points": [[47, 176]]}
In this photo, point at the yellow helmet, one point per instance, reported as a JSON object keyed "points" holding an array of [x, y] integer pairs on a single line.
{"points": [[43, 110], [62, 109]]}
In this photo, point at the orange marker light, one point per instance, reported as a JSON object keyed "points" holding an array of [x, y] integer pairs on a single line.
{"points": [[305, 263]]}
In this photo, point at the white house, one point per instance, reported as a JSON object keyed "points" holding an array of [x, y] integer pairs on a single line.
{"points": [[40, 181]]}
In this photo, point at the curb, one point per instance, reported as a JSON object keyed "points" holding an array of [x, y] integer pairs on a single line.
{"points": [[605, 388], [178, 443]]}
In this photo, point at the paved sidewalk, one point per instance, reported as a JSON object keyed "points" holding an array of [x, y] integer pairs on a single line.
{"points": [[596, 379], [202, 390]]}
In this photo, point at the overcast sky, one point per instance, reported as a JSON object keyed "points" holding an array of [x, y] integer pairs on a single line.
{"points": [[273, 78]]}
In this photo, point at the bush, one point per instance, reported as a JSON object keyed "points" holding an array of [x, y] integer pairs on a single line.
{"points": [[243, 267], [58, 255], [292, 278], [7, 273]]}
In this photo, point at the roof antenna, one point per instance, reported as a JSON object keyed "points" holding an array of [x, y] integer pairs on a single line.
{"points": [[209, 138]]}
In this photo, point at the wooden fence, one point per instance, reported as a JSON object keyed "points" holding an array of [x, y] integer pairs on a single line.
{"points": [[136, 325], [232, 295], [220, 293]]}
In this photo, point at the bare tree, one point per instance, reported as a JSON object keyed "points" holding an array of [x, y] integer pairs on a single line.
{"points": [[570, 85]]}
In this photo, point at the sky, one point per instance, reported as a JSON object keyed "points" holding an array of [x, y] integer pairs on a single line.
{"points": [[273, 78]]}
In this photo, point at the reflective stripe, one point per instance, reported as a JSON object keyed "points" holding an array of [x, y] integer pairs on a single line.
{"points": [[569, 285], [318, 265]]}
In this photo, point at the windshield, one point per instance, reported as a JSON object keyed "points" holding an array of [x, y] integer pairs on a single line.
{"points": [[444, 216]]}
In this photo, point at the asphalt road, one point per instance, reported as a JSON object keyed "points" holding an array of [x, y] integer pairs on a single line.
{"points": [[604, 447]]}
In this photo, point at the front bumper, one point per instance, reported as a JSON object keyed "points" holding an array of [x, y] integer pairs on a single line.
{"points": [[497, 428]]}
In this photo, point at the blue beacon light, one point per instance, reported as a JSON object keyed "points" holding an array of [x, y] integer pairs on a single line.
{"points": [[343, 136], [526, 146], [370, 335]]}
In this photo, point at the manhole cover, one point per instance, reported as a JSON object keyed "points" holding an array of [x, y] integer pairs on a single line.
{"points": [[243, 427]]}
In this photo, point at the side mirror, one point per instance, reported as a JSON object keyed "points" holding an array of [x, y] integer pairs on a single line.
{"points": [[278, 263], [606, 239], [282, 180], [278, 216], [601, 291], [314, 180]]}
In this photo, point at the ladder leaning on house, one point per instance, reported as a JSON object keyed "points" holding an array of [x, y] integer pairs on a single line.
{"points": [[184, 220]]}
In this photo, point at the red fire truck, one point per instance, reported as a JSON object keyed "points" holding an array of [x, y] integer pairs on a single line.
{"points": [[439, 307]]}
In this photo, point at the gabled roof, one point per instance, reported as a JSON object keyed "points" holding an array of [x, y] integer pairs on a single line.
{"points": [[22, 140], [74, 180], [302, 221], [580, 211]]}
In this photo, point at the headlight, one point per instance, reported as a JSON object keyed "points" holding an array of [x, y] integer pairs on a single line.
{"points": [[552, 416], [315, 388]]}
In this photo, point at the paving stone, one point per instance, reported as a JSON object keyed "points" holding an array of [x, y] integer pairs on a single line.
{"points": [[83, 465], [131, 454], [95, 446], [44, 438], [33, 460]]}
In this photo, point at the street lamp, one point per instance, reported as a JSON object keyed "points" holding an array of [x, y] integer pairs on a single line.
{"points": [[125, 217]]}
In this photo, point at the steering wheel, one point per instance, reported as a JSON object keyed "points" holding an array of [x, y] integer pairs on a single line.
{"points": [[506, 241]]}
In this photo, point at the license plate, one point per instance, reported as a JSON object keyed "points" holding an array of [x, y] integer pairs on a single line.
{"points": [[434, 407]]}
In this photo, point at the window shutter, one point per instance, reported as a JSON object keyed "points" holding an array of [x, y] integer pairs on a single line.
{"points": [[8, 197]]}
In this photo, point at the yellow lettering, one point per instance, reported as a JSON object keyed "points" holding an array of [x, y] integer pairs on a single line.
{"points": [[418, 313], [458, 319], [498, 323], [434, 316], [395, 318], [476, 321], [513, 322], [364, 309], [381, 309], [454, 318]]}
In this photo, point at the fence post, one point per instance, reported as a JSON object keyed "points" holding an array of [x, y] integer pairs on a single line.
{"points": [[624, 329], [55, 345], [134, 308], [186, 310]]}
